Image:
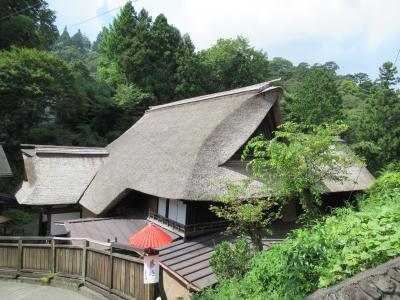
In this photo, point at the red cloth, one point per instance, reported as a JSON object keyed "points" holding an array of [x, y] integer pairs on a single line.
{"points": [[150, 237]]}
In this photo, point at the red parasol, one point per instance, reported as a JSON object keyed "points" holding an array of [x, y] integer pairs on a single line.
{"points": [[150, 237]]}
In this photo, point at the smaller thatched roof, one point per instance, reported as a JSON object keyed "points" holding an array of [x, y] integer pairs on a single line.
{"points": [[358, 178], [58, 175], [5, 169]]}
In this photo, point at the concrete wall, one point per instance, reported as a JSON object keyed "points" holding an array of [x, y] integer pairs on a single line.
{"points": [[87, 214], [171, 287]]}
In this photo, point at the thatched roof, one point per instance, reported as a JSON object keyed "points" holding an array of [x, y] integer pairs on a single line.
{"points": [[358, 178], [5, 169], [58, 175], [178, 150]]}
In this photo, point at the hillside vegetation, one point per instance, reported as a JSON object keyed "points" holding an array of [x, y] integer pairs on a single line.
{"points": [[339, 246]]}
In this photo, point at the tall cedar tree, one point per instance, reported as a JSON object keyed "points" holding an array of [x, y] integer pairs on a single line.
{"points": [[148, 54], [376, 131]]}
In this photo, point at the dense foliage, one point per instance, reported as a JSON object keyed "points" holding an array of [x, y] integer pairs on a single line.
{"points": [[247, 216], [231, 260], [27, 23], [296, 162], [317, 100], [337, 247], [35, 86]]}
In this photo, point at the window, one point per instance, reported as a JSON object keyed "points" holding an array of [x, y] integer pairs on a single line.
{"points": [[162, 207], [172, 209]]}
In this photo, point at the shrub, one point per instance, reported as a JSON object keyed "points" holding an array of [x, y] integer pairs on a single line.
{"points": [[231, 259]]}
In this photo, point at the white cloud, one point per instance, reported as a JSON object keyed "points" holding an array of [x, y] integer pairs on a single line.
{"points": [[266, 22], [330, 29]]}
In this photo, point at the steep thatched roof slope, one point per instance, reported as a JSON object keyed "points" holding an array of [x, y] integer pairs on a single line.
{"points": [[58, 175], [176, 150], [5, 169]]}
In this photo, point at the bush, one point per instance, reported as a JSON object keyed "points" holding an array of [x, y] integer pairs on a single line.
{"points": [[231, 259], [338, 247]]}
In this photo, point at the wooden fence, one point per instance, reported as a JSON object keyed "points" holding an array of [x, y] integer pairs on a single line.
{"points": [[108, 271]]}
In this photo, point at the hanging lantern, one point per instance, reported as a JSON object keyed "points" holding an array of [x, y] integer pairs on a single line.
{"points": [[149, 238]]}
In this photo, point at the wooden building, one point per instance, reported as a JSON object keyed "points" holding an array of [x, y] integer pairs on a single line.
{"points": [[168, 167]]}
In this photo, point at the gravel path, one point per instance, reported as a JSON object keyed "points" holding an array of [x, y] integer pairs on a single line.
{"points": [[17, 291]]}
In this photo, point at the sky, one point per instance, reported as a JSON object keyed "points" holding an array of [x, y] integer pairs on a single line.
{"points": [[359, 35]]}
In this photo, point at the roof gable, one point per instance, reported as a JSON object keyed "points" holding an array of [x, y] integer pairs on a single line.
{"points": [[5, 169]]}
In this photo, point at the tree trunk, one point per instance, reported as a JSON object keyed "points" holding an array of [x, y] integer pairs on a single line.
{"points": [[311, 211], [256, 239]]}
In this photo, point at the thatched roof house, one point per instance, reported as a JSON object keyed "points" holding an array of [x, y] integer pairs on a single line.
{"points": [[183, 150], [5, 170]]}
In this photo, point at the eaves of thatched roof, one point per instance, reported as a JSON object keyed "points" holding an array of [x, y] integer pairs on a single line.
{"points": [[58, 175], [177, 150]]}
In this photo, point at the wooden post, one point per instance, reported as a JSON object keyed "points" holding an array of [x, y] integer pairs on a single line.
{"points": [[53, 256], [19, 257], [150, 291], [84, 260], [111, 268]]}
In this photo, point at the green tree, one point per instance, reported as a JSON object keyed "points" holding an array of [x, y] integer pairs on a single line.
{"points": [[247, 213], [298, 160], [233, 63], [190, 76], [27, 23], [388, 75], [376, 130], [281, 68], [131, 102], [72, 48], [231, 259], [35, 87], [317, 101]]}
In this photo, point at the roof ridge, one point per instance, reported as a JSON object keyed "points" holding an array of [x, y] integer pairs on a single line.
{"points": [[259, 87]]}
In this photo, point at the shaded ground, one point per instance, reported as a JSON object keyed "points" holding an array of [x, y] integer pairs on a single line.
{"points": [[10, 290]]}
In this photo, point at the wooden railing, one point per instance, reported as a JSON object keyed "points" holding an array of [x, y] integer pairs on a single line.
{"points": [[105, 271], [187, 230]]}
